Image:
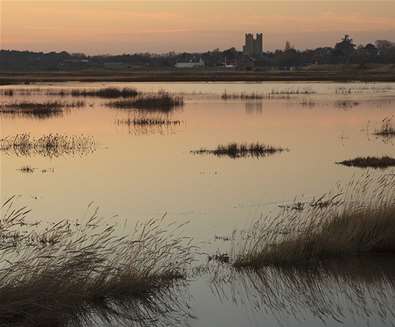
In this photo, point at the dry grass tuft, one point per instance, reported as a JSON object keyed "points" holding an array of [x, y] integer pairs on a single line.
{"points": [[358, 219], [51, 145], [163, 102], [234, 150]]}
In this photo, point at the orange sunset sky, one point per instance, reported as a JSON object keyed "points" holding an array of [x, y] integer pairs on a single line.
{"points": [[108, 27]]}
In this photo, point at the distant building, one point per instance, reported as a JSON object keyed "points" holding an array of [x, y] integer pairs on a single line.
{"points": [[253, 47], [190, 64]]}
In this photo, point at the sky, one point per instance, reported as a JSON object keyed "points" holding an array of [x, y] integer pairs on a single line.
{"points": [[114, 27]]}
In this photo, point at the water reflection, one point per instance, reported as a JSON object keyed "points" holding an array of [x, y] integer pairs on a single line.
{"points": [[36, 114], [360, 289], [253, 107], [167, 307], [149, 124]]}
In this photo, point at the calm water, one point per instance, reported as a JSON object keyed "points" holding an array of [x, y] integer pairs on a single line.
{"points": [[139, 173]]}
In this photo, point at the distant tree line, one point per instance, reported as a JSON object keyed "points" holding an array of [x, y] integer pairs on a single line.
{"points": [[343, 52]]}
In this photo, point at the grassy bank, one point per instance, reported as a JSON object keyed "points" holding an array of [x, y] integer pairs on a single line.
{"points": [[174, 75], [359, 219]]}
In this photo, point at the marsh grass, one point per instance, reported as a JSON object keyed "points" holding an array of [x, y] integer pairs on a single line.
{"points": [[273, 94], [7, 92], [242, 96], [20, 91], [105, 93], [49, 105], [346, 104], [162, 102], [51, 145], [369, 162], [149, 125], [360, 221], [38, 110], [26, 169], [387, 129], [52, 275], [147, 122], [235, 150]]}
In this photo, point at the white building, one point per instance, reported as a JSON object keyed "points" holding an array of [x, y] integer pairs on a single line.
{"points": [[190, 64]]}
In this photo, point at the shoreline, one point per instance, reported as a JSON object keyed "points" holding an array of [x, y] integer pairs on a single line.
{"points": [[10, 78]]}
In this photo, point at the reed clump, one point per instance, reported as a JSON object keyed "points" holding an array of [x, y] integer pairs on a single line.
{"points": [[242, 96], [38, 110], [273, 94], [148, 122], [387, 128], [346, 104], [235, 150], [26, 169], [105, 93], [51, 145], [57, 275], [162, 101], [358, 220], [7, 92], [50, 105], [369, 162]]}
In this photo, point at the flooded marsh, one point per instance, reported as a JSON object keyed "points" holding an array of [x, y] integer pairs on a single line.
{"points": [[242, 242]]}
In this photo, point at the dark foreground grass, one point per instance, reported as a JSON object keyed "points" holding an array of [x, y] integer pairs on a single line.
{"points": [[235, 150], [51, 145], [369, 162], [163, 102], [67, 274], [357, 220]]}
